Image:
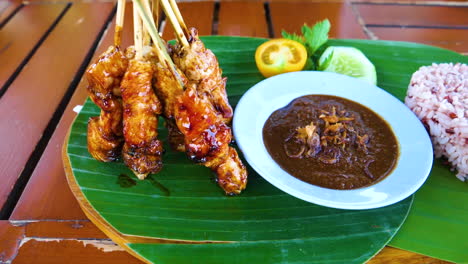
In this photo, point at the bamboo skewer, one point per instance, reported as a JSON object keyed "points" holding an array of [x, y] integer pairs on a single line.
{"points": [[145, 12], [146, 35], [180, 19], [181, 37], [137, 34], [119, 22]]}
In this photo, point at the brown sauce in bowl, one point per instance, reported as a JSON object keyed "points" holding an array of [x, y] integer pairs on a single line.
{"points": [[331, 142]]}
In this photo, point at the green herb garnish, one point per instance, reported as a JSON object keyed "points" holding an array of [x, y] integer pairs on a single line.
{"points": [[312, 38]]}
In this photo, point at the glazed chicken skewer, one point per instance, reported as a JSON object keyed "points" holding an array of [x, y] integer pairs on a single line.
{"points": [[198, 63], [168, 86], [104, 76], [196, 108], [142, 150], [202, 111]]}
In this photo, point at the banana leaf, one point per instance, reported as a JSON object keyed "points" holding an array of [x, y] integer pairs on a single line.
{"points": [[263, 224]]}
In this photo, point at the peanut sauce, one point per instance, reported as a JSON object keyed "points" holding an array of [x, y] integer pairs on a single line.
{"points": [[331, 142]]}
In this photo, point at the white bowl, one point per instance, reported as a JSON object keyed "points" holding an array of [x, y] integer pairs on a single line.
{"points": [[258, 103]]}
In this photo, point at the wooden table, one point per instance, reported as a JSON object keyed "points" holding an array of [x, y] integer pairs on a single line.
{"points": [[44, 50]]}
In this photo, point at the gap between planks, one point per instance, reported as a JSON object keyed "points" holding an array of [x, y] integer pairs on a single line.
{"points": [[28, 57], [33, 160], [271, 29]]}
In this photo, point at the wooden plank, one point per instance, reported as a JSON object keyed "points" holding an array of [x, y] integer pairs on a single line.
{"points": [[196, 14], [71, 251], [64, 229], [290, 16], [54, 200], [7, 7], [390, 255], [10, 239], [19, 36], [413, 15], [4, 6], [242, 18], [56, 242], [454, 39], [41, 86]]}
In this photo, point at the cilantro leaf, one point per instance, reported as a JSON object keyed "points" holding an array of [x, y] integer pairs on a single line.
{"points": [[316, 36], [293, 36], [313, 38]]}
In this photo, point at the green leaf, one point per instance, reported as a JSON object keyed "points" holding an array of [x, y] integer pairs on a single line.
{"points": [[438, 224], [293, 36], [264, 224], [310, 65], [304, 251], [316, 36]]}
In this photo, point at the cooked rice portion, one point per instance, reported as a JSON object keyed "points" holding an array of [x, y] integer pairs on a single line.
{"points": [[438, 95]]}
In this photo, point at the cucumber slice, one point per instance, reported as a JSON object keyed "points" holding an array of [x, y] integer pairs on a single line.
{"points": [[348, 61]]}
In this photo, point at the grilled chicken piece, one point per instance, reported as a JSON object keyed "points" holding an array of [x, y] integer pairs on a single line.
{"points": [[232, 174], [103, 143], [207, 139], [105, 131], [142, 150], [167, 90], [175, 137], [201, 67], [203, 114]]}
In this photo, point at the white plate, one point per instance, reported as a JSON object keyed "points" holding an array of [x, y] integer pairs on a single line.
{"points": [[258, 103]]}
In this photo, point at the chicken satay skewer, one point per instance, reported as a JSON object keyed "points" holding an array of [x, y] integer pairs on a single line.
{"points": [[199, 64], [202, 111], [159, 45], [142, 151], [169, 83], [206, 135], [104, 76]]}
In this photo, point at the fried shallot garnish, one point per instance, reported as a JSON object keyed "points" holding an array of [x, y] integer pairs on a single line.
{"points": [[336, 131]]}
